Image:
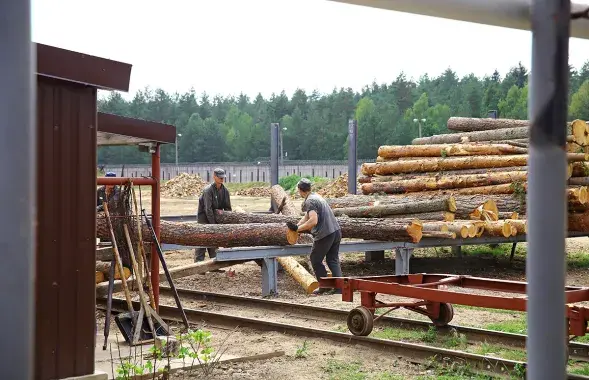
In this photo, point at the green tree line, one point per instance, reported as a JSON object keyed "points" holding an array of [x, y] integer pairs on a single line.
{"points": [[221, 129]]}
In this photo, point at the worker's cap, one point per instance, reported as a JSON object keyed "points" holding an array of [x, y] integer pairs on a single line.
{"points": [[110, 174], [219, 172], [304, 184]]}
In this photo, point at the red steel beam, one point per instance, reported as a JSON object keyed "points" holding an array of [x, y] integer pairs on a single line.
{"points": [[155, 220], [112, 181]]}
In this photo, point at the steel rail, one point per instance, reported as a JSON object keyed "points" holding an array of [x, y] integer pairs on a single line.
{"points": [[415, 352], [578, 351]]}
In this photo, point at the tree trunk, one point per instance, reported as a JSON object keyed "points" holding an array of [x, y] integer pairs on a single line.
{"points": [[443, 182], [99, 277], [465, 137], [508, 215], [213, 235], [439, 235], [442, 204], [447, 150], [423, 216], [498, 228], [521, 226], [580, 169], [352, 228], [578, 181]]}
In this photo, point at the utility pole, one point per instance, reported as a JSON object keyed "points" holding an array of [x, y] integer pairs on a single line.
{"points": [[281, 147]]}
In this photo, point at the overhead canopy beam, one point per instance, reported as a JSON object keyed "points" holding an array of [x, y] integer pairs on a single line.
{"points": [[514, 14], [120, 130]]}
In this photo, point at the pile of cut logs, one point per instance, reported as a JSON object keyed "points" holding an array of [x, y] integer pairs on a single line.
{"points": [[478, 174]]}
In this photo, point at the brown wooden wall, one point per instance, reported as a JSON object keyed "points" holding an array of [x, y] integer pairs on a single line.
{"points": [[66, 197]]}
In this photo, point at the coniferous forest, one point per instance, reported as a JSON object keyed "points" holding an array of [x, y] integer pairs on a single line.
{"points": [[237, 129]]}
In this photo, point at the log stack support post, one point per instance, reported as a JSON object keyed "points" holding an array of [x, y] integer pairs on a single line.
{"points": [[269, 276], [402, 259]]}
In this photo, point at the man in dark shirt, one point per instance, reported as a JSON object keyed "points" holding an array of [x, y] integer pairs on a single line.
{"points": [[320, 221], [213, 200], [105, 192]]}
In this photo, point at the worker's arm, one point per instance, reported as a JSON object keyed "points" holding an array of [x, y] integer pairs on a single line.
{"points": [[303, 219], [309, 223], [208, 206]]}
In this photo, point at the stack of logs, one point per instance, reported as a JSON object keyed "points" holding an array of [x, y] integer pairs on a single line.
{"points": [[475, 177]]}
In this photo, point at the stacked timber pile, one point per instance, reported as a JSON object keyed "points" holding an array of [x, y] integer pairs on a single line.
{"points": [[183, 185], [475, 176]]}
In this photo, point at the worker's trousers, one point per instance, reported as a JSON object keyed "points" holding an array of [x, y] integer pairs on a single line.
{"points": [[199, 253], [327, 248]]}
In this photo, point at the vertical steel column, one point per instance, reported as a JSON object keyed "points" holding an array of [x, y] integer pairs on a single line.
{"points": [[547, 183], [17, 220], [352, 156], [274, 153], [155, 220]]}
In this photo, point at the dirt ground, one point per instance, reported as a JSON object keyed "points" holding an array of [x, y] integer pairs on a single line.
{"points": [[327, 360]]}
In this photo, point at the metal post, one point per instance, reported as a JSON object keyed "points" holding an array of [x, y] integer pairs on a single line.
{"points": [[155, 221], [545, 261], [352, 156], [17, 221], [274, 153], [281, 148]]}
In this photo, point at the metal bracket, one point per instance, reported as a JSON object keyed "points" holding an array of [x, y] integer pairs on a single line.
{"points": [[269, 277]]}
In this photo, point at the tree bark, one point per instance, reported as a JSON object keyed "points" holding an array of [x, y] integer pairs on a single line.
{"points": [[465, 137], [213, 235], [443, 182], [442, 204], [447, 150], [580, 169], [578, 181], [353, 228], [439, 235], [508, 215]]}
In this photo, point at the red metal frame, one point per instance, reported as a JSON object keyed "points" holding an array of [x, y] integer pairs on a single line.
{"points": [[154, 182], [425, 288]]}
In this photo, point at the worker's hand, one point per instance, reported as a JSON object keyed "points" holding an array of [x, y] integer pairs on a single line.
{"points": [[292, 226]]}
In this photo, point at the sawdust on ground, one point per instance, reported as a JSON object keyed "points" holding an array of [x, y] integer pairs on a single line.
{"points": [[183, 185], [336, 188]]}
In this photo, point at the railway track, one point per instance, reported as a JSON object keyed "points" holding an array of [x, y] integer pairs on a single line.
{"points": [[412, 351], [577, 351]]}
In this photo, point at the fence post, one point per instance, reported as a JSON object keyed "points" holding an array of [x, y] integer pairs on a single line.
{"points": [[352, 156]]}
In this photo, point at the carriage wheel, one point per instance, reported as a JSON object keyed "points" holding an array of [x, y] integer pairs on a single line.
{"points": [[360, 321], [446, 315]]}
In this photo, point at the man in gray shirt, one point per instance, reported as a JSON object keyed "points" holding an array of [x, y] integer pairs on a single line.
{"points": [[320, 221], [214, 199]]}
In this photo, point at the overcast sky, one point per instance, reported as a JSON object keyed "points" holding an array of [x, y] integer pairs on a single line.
{"points": [[232, 46]]}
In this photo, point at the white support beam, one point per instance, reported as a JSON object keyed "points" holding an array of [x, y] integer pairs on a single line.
{"points": [[514, 14]]}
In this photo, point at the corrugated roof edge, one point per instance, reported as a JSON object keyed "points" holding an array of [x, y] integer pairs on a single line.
{"points": [[143, 129], [82, 68]]}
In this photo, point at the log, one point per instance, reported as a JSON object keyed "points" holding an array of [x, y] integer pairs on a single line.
{"points": [[99, 277], [577, 128], [435, 226], [453, 163], [422, 216], [580, 135], [578, 181], [299, 273], [439, 235], [578, 222], [580, 169], [508, 215], [498, 228], [462, 229], [104, 267], [446, 150], [521, 226], [487, 211], [443, 182], [200, 267], [278, 196], [214, 235], [470, 124], [442, 204], [405, 176], [353, 228]]}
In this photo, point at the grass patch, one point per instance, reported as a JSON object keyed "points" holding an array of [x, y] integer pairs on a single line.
{"points": [[452, 371], [340, 370], [517, 326], [497, 311], [500, 251], [235, 186], [500, 351], [577, 260], [579, 368], [431, 336]]}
